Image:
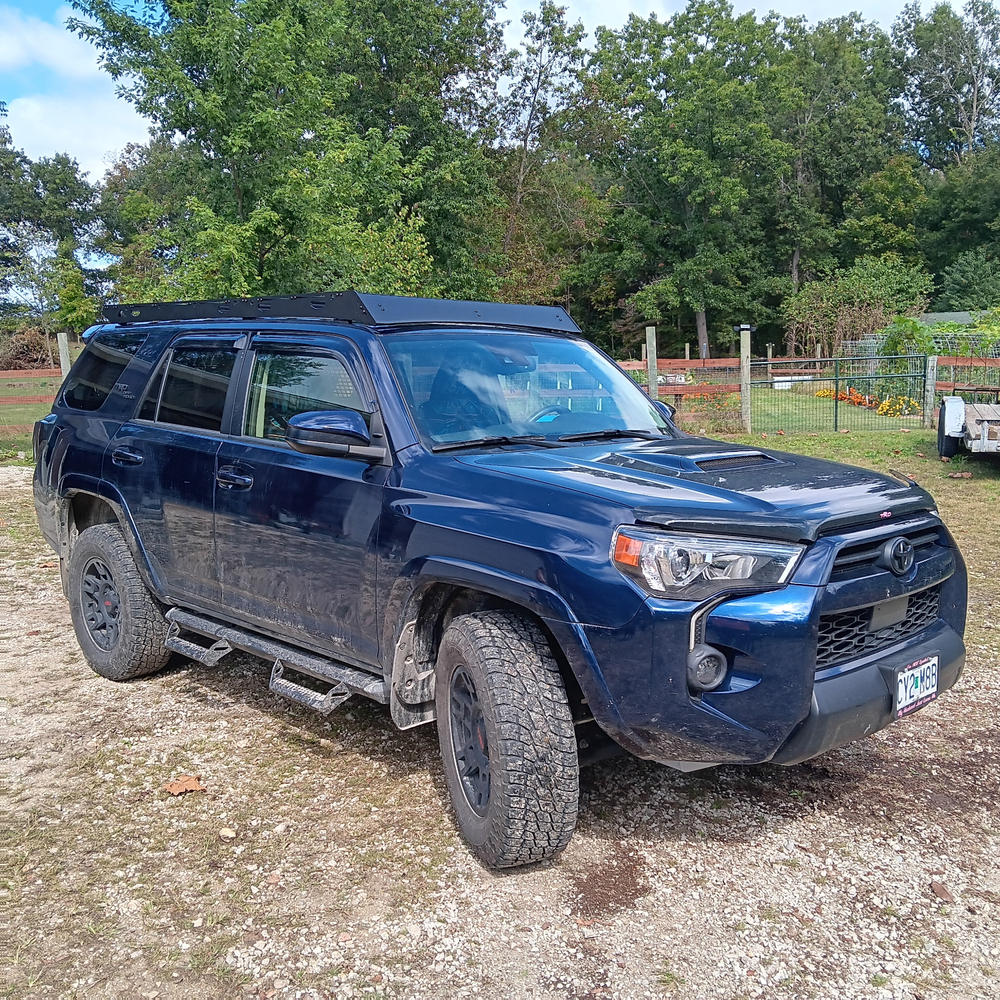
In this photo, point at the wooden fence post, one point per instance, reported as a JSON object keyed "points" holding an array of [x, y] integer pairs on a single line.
{"points": [[652, 388], [62, 339], [687, 351], [745, 376], [930, 389]]}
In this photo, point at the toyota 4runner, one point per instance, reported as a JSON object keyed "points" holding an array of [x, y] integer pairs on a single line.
{"points": [[467, 512]]}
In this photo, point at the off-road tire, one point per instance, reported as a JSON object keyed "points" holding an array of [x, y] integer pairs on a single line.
{"points": [[534, 774], [947, 445], [138, 649]]}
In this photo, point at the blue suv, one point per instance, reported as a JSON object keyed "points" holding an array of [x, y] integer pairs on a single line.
{"points": [[467, 512]]}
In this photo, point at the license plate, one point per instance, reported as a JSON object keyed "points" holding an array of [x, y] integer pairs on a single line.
{"points": [[916, 685]]}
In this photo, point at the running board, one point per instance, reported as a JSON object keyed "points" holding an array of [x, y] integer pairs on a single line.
{"points": [[343, 680]]}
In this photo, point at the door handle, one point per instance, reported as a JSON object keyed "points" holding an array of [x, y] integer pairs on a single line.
{"points": [[229, 479], [126, 456]]}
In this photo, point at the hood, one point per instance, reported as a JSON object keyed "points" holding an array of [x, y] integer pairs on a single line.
{"points": [[695, 484]]}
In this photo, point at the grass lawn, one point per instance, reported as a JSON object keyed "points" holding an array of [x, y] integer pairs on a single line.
{"points": [[913, 453], [14, 441], [23, 414], [773, 410]]}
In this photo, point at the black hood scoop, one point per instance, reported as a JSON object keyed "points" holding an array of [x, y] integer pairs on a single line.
{"points": [[674, 462], [747, 460]]}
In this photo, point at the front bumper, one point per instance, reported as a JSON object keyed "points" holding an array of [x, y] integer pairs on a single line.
{"points": [[851, 705], [774, 705]]}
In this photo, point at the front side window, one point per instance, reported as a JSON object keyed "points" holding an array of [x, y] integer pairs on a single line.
{"points": [[99, 368], [283, 385], [462, 386], [195, 386]]}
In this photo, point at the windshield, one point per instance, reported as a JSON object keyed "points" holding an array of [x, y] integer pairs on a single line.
{"points": [[467, 386]]}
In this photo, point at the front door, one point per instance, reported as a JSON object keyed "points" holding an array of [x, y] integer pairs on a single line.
{"points": [[296, 534], [163, 463]]}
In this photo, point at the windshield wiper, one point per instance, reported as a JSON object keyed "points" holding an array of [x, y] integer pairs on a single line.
{"points": [[611, 432], [497, 439]]}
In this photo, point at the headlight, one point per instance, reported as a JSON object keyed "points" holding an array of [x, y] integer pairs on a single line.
{"points": [[693, 567]]}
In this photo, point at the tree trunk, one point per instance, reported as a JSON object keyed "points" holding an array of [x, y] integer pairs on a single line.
{"points": [[795, 269], [702, 325]]}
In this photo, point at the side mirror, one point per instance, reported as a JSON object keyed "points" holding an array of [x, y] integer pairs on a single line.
{"points": [[665, 408], [333, 432]]}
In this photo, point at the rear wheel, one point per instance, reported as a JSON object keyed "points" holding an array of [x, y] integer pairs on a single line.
{"points": [[118, 624], [947, 445], [507, 739]]}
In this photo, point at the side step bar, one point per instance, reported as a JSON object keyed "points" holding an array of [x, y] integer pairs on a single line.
{"points": [[343, 680]]}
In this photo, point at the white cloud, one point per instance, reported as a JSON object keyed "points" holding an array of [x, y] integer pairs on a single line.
{"points": [[27, 42], [92, 126]]}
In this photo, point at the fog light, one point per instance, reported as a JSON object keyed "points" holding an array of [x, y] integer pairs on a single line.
{"points": [[706, 668]]}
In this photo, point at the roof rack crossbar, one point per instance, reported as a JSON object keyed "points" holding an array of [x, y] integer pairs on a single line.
{"points": [[349, 307]]}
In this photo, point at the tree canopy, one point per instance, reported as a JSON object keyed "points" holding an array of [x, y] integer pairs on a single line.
{"points": [[696, 171]]}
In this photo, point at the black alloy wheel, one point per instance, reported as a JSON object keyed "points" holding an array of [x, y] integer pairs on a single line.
{"points": [[102, 606], [468, 737]]}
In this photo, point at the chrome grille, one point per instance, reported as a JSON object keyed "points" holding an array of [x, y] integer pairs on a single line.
{"points": [[846, 635]]}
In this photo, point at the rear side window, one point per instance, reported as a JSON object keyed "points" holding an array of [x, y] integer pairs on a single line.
{"points": [[99, 368], [195, 386]]}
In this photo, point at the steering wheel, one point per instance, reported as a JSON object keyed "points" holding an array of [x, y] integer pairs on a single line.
{"points": [[554, 408]]}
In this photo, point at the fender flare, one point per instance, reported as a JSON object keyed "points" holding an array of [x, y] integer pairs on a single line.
{"points": [[74, 484], [536, 598]]}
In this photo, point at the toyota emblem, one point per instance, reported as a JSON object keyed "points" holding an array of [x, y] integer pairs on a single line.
{"points": [[898, 555]]}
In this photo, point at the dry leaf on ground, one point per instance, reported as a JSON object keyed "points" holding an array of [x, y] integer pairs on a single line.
{"points": [[184, 783], [942, 892], [959, 475]]}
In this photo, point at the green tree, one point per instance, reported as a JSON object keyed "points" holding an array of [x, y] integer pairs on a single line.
{"points": [[854, 302], [971, 281], [689, 99], [282, 101], [833, 105], [951, 65], [881, 216], [551, 205]]}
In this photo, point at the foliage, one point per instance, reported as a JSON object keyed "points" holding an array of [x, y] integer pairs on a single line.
{"points": [[854, 302], [891, 405], [951, 66], [908, 335], [971, 281], [695, 171]]}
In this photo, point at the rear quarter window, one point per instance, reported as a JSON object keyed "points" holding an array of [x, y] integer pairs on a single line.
{"points": [[99, 369]]}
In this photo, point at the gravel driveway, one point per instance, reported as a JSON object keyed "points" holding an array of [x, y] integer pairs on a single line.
{"points": [[870, 872]]}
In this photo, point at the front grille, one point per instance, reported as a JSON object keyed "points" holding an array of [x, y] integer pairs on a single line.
{"points": [[733, 462], [860, 556], [846, 635]]}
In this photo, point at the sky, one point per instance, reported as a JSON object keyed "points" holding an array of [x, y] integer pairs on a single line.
{"points": [[59, 100]]}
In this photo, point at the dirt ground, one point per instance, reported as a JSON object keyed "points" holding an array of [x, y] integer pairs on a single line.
{"points": [[868, 873]]}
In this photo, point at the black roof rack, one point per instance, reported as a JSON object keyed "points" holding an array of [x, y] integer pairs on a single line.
{"points": [[349, 307]]}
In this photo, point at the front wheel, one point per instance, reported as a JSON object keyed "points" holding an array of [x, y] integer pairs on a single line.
{"points": [[507, 739]]}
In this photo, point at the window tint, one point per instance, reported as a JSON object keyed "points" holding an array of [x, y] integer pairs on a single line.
{"points": [[194, 392], [286, 384], [100, 367]]}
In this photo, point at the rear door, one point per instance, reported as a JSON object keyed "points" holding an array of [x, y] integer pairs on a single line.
{"points": [[163, 463], [296, 534]]}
